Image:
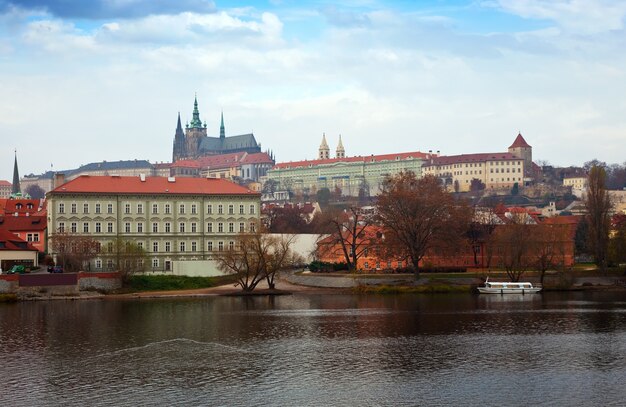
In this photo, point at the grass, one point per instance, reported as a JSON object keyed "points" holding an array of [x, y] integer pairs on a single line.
{"points": [[428, 288], [168, 283]]}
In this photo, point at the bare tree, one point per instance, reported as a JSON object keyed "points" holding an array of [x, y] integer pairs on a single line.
{"points": [[598, 205], [73, 251], [129, 257], [547, 249], [512, 247], [418, 215]]}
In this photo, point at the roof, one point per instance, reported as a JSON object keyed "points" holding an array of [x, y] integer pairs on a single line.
{"points": [[519, 142], [21, 206], [257, 158], [114, 165], [469, 158], [4, 183], [185, 164], [22, 223], [220, 160], [369, 158], [228, 143], [152, 185], [8, 241]]}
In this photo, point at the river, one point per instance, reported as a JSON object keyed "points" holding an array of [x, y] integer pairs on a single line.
{"points": [[554, 349]]}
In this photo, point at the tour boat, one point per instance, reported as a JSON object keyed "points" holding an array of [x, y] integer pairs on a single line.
{"points": [[492, 287]]}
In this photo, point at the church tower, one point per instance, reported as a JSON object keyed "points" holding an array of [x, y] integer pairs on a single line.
{"points": [[324, 150], [195, 132], [15, 189], [179, 142], [521, 149], [340, 152], [222, 129]]}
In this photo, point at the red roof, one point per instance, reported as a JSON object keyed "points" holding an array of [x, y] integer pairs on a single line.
{"points": [[185, 164], [4, 183], [257, 158], [467, 158], [21, 206], [22, 223], [152, 185], [369, 158], [519, 142], [221, 160], [8, 241]]}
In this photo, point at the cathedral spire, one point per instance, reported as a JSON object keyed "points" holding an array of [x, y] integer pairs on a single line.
{"points": [[324, 150], [15, 189], [179, 127], [195, 121], [222, 129], [340, 152]]}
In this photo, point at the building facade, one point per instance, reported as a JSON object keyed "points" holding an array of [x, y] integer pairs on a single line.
{"points": [[5, 189], [172, 219], [193, 142]]}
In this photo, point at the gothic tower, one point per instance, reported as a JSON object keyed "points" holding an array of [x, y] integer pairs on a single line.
{"points": [[222, 129], [195, 132], [324, 150], [340, 152], [521, 149], [15, 189], [179, 142]]}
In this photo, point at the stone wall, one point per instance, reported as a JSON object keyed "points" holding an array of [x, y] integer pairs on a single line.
{"points": [[103, 282], [8, 284]]}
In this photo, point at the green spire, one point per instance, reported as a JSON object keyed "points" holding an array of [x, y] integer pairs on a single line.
{"points": [[195, 121], [222, 130], [15, 189]]}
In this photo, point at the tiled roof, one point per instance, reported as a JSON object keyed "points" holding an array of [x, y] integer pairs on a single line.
{"points": [[185, 164], [257, 158], [8, 241], [369, 158], [228, 143], [220, 160], [22, 223], [519, 142], [114, 165], [21, 206], [151, 185], [4, 183], [469, 158]]}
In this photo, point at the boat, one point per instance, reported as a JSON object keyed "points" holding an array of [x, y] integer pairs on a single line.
{"points": [[492, 287]]}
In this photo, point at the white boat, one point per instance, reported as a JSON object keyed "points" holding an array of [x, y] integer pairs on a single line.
{"points": [[492, 287]]}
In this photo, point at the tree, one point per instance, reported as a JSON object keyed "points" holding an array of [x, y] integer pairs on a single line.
{"points": [[256, 257], [515, 189], [270, 186], [349, 235], [617, 243], [73, 251], [323, 196], [547, 249], [418, 215], [476, 185], [512, 248], [129, 257], [598, 204], [35, 191], [288, 219]]}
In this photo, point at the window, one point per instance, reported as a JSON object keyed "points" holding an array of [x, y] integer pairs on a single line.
{"points": [[366, 265], [140, 227], [209, 227], [252, 227], [139, 208], [110, 247], [252, 211], [182, 247], [194, 209], [29, 237], [155, 227], [220, 209], [155, 263], [194, 246], [110, 264], [98, 206], [127, 208], [194, 227], [231, 209], [73, 227], [73, 210], [127, 227], [242, 227], [231, 227], [181, 227], [155, 209], [85, 227], [220, 227], [168, 227], [110, 227], [220, 246], [209, 209], [155, 247], [61, 208], [98, 263], [168, 209], [168, 246], [209, 246], [181, 209], [241, 210], [98, 227], [86, 208], [109, 208], [231, 245], [168, 265], [140, 245]]}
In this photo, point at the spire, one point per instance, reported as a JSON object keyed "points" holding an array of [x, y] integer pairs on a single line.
{"points": [[16, 178], [340, 152], [324, 150], [195, 121], [222, 129], [179, 127]]}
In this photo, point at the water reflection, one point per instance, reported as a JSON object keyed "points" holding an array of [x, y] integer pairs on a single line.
{"points": [[555, 348]]}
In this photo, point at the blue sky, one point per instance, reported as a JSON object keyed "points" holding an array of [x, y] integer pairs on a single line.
{"points": [[103, 80]]}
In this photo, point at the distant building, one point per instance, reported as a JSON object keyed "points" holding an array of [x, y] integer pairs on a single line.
{"points": [[32, 229], [5, 189], [194, 142], [14, 250], [175, 220], [578, 184]]}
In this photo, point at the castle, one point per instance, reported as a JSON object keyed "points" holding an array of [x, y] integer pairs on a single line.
{"points": [[193, 142]]}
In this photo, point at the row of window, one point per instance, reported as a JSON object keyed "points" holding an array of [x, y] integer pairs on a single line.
{"points": [[230, 227], [167, 208], [470, 165]]}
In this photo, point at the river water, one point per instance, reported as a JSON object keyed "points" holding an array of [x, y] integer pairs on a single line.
{"points": [[555, 349]]}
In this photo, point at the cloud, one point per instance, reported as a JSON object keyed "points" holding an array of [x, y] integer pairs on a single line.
{"points": [[105, 9], [345, 18]]}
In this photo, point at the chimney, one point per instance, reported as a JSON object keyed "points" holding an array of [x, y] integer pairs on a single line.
{"points": [[59, 179]]}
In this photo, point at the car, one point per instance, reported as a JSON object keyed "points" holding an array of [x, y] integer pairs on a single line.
{"points": [[57, 269], [17, 269]]}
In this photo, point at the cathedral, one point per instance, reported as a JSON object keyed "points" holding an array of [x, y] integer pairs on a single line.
{"points": [[193, 142]]}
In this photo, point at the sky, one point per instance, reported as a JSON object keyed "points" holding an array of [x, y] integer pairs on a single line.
{"points": [[87, 81]]}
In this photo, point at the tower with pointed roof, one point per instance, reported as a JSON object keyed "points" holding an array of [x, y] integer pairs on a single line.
{"points": [[179, 142], [15, 189], [521, 149], [340, 152], [324, 150], [222, 129], [196, 131]]}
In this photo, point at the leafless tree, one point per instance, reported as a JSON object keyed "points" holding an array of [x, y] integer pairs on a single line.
{"points": [[73, 251], [598, 204]]}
